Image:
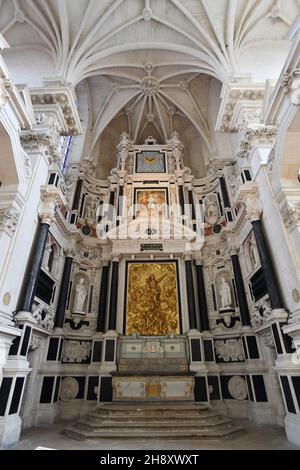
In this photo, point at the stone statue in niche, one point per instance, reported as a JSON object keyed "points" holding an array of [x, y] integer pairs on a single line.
{"points": [[90, 212], [80, 296], [211, 210], [225, 293]]}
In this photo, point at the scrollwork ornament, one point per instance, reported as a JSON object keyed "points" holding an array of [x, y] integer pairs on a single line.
{"points": [[5, 84], [291, 84], [9, 217], [75, 351]]}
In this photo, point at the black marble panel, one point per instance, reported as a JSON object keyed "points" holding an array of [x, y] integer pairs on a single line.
{"points": [[195, 349], [14, 348], [245, 347], [258, 285], [296, 385], [287, 394], [97, 351], [25, 341], [200, 389], [52, 349], [92, 383], [259, 388], [277, 338], [110, 350], [81, 383], [60, 349], [47, 389], [208, 350], [56, 392], [213, 380], [249, 386], [15, 401], [252, 347], [44, 288], [106, 389], [4, 393]]}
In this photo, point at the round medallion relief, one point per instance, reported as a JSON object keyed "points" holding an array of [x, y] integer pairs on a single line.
{"points": [[6, 298], [69, 389], [237, 387], [86, 230], [296, 295]]}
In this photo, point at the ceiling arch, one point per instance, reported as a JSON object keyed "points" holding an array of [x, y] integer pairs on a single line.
{"points": [[108, 44]]}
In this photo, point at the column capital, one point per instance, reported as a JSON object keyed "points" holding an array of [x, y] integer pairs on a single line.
{"points": [[46, 211], [233, 245], [249, 195], [69, 252]]}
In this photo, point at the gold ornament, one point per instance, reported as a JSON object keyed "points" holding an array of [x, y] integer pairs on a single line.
{"points": [[152, 303]]}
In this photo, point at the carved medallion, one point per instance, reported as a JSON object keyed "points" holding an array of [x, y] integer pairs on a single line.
{"points": [[6, 298], [237, 387], [69, 389], [296, 295]]}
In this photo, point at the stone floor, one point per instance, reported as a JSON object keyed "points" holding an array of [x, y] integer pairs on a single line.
{"points": [[255, 437]]}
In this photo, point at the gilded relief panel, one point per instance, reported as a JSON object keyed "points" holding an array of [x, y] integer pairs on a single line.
{"points": [[152, 299]]}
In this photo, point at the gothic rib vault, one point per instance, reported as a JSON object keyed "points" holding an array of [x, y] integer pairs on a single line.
{"points": [[149, 212]]}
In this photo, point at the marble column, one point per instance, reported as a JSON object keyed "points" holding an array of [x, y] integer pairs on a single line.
{"points": [[120, 204], [267, 265], [203, 312], [253, 211], [240, 289], [111, 211], [224, 192], [192, 210], [63, 293], [181, 199], [77, 194], [103, 300], [190, 294], [112, 318], [32, 275]]}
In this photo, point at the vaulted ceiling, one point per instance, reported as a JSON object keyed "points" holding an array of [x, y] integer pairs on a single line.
{"points": [[146, 66]]}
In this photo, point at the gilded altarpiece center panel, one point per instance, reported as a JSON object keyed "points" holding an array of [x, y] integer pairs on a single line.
{"points": [[152, 301]]}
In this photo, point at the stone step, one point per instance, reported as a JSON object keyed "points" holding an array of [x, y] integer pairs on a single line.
{"points": [[154, 423], [142, 415], [153, 420], [152, 405], [168, 433]]}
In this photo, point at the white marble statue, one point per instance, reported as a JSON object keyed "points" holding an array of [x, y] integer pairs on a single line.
{"points": [[90, 212], [225, 294], [80, 296]]}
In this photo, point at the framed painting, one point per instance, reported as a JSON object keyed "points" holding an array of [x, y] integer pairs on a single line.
{"points": [[152, 298], [151, 202]]}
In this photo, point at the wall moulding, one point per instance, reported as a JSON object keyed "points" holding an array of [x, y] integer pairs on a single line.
{"points": [[241, 101], [57, 93]]}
